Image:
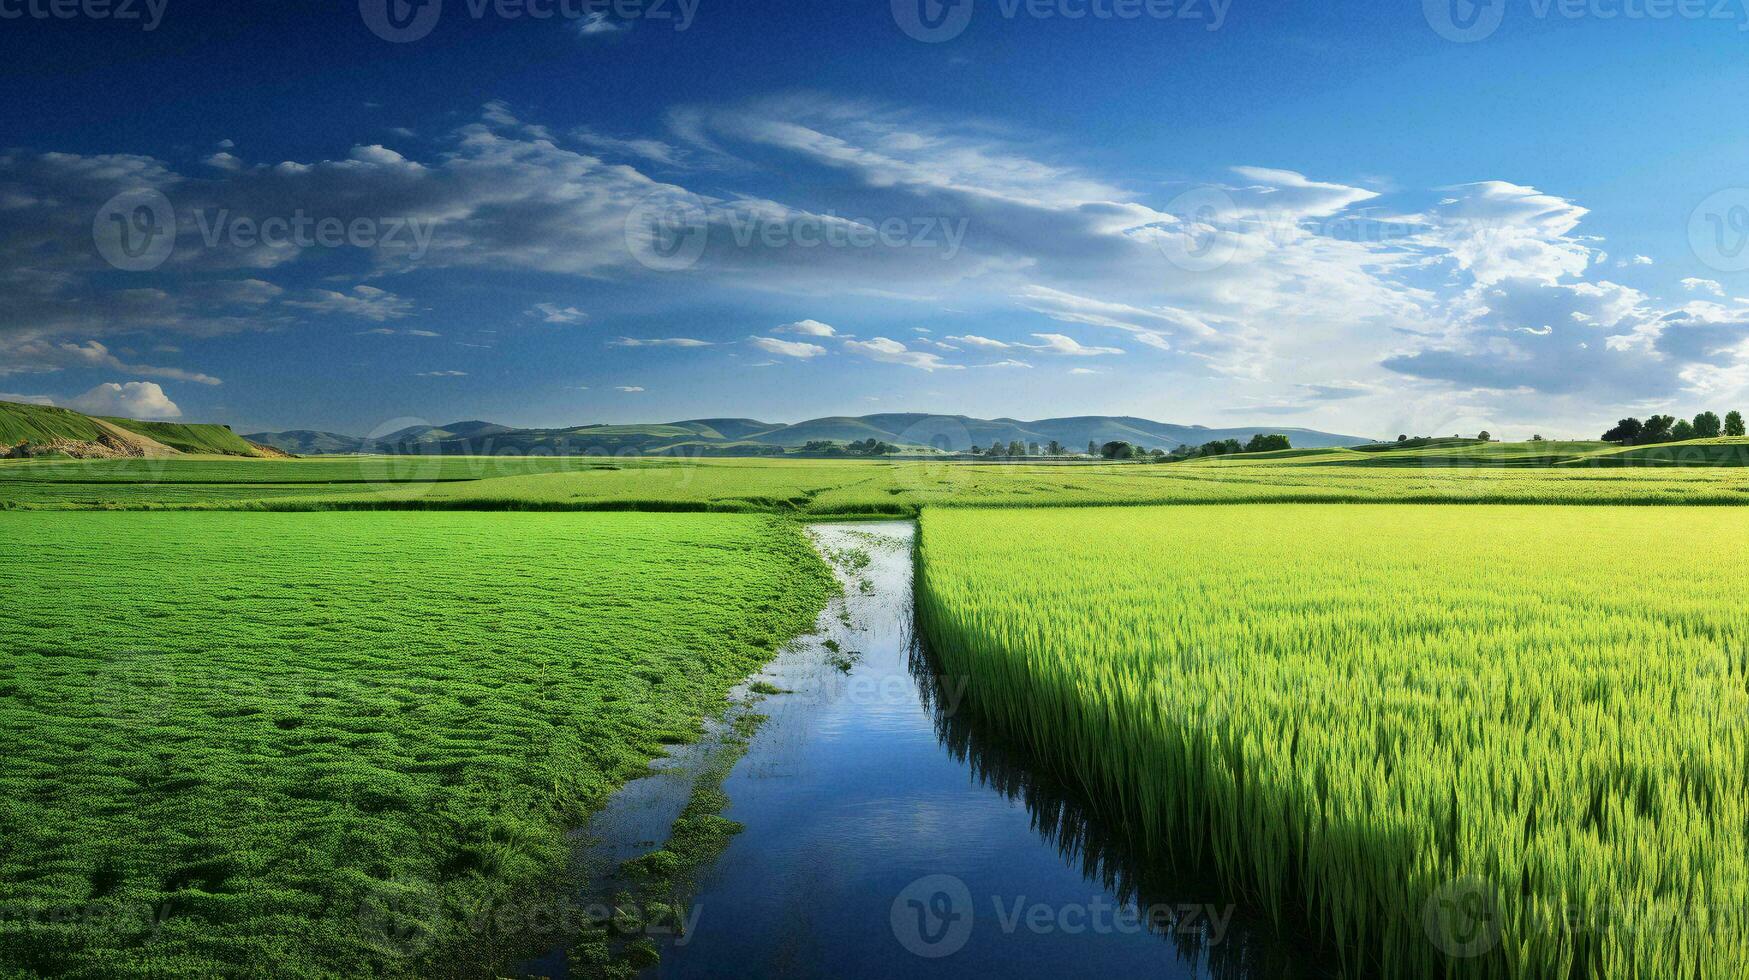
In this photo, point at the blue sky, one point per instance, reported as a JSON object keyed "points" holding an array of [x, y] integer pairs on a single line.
{"points": [[1336, 216]]}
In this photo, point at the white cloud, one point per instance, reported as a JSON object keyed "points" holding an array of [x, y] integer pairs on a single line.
{"points": [[1056, 343], [893, 352], [658, 342], [555, 314], [130, 399], [1703, 286], [364, 302], [809, 328], [1010, 363], [973, 340], [442, 374], [596, 23], [787, 348], [628, 388], [32, 356]]}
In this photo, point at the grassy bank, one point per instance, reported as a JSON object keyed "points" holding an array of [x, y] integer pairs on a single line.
{"points": [[1463, 742], [346, 744]]}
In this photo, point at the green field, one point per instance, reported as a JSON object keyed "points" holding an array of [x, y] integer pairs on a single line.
{"points": [[345, 744], [1709, 472], [1463, 741]]}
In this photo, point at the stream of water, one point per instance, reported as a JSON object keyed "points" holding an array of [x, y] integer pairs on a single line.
{"points": [[886, 835]]}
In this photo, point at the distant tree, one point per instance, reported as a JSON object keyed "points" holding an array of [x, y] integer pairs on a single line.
{"points": [[1627, 432], [1221, 447], [1682, 431], [1402, 438], [1485, 436], [1536, 438], [1659, 428], [1092, 448], [1707, 426], [1261, 443], [996, 450], [975, 449], [1734, 423], [1117, 450], [1055, 448], [1016, 448], [1032, 449]]}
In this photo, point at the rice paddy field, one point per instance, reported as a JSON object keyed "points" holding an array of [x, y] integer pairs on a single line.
{"points": [[339, 714], [1575, 473], [1500, 741], [345, 744]]}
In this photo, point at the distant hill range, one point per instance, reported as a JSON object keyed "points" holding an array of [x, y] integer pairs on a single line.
{"points": [[41, 430], [751, 437]]}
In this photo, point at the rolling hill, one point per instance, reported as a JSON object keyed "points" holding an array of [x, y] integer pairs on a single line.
{"points": [[34, 430], [751, 437]]}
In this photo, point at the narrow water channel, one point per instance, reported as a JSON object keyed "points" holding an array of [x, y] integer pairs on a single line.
{"points": [[886, 835]]}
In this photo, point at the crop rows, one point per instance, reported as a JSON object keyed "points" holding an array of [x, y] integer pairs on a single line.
{"points": [[1460, 741]]}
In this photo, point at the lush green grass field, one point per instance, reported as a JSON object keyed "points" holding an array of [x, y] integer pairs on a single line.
{"points": [[1465, 741], [1482, 473], [345, 744]]}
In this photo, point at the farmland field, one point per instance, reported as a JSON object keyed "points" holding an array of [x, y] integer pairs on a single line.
{"points": [[1579, 473], [1461, 741], [345, 744]]}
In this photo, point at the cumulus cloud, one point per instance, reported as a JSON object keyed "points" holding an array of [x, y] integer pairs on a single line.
{"points": [[787, 348], [1703, 286], [808, 328], [893, 352], [130, 399]]}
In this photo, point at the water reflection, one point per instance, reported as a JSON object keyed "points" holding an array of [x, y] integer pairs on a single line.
{"points": [[1212, 935]]}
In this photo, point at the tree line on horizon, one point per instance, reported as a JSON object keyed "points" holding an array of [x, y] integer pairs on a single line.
{"points": [[1666, 428]]}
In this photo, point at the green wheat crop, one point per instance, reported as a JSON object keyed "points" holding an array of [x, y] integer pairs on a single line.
{"points": [[1461, 741]]}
